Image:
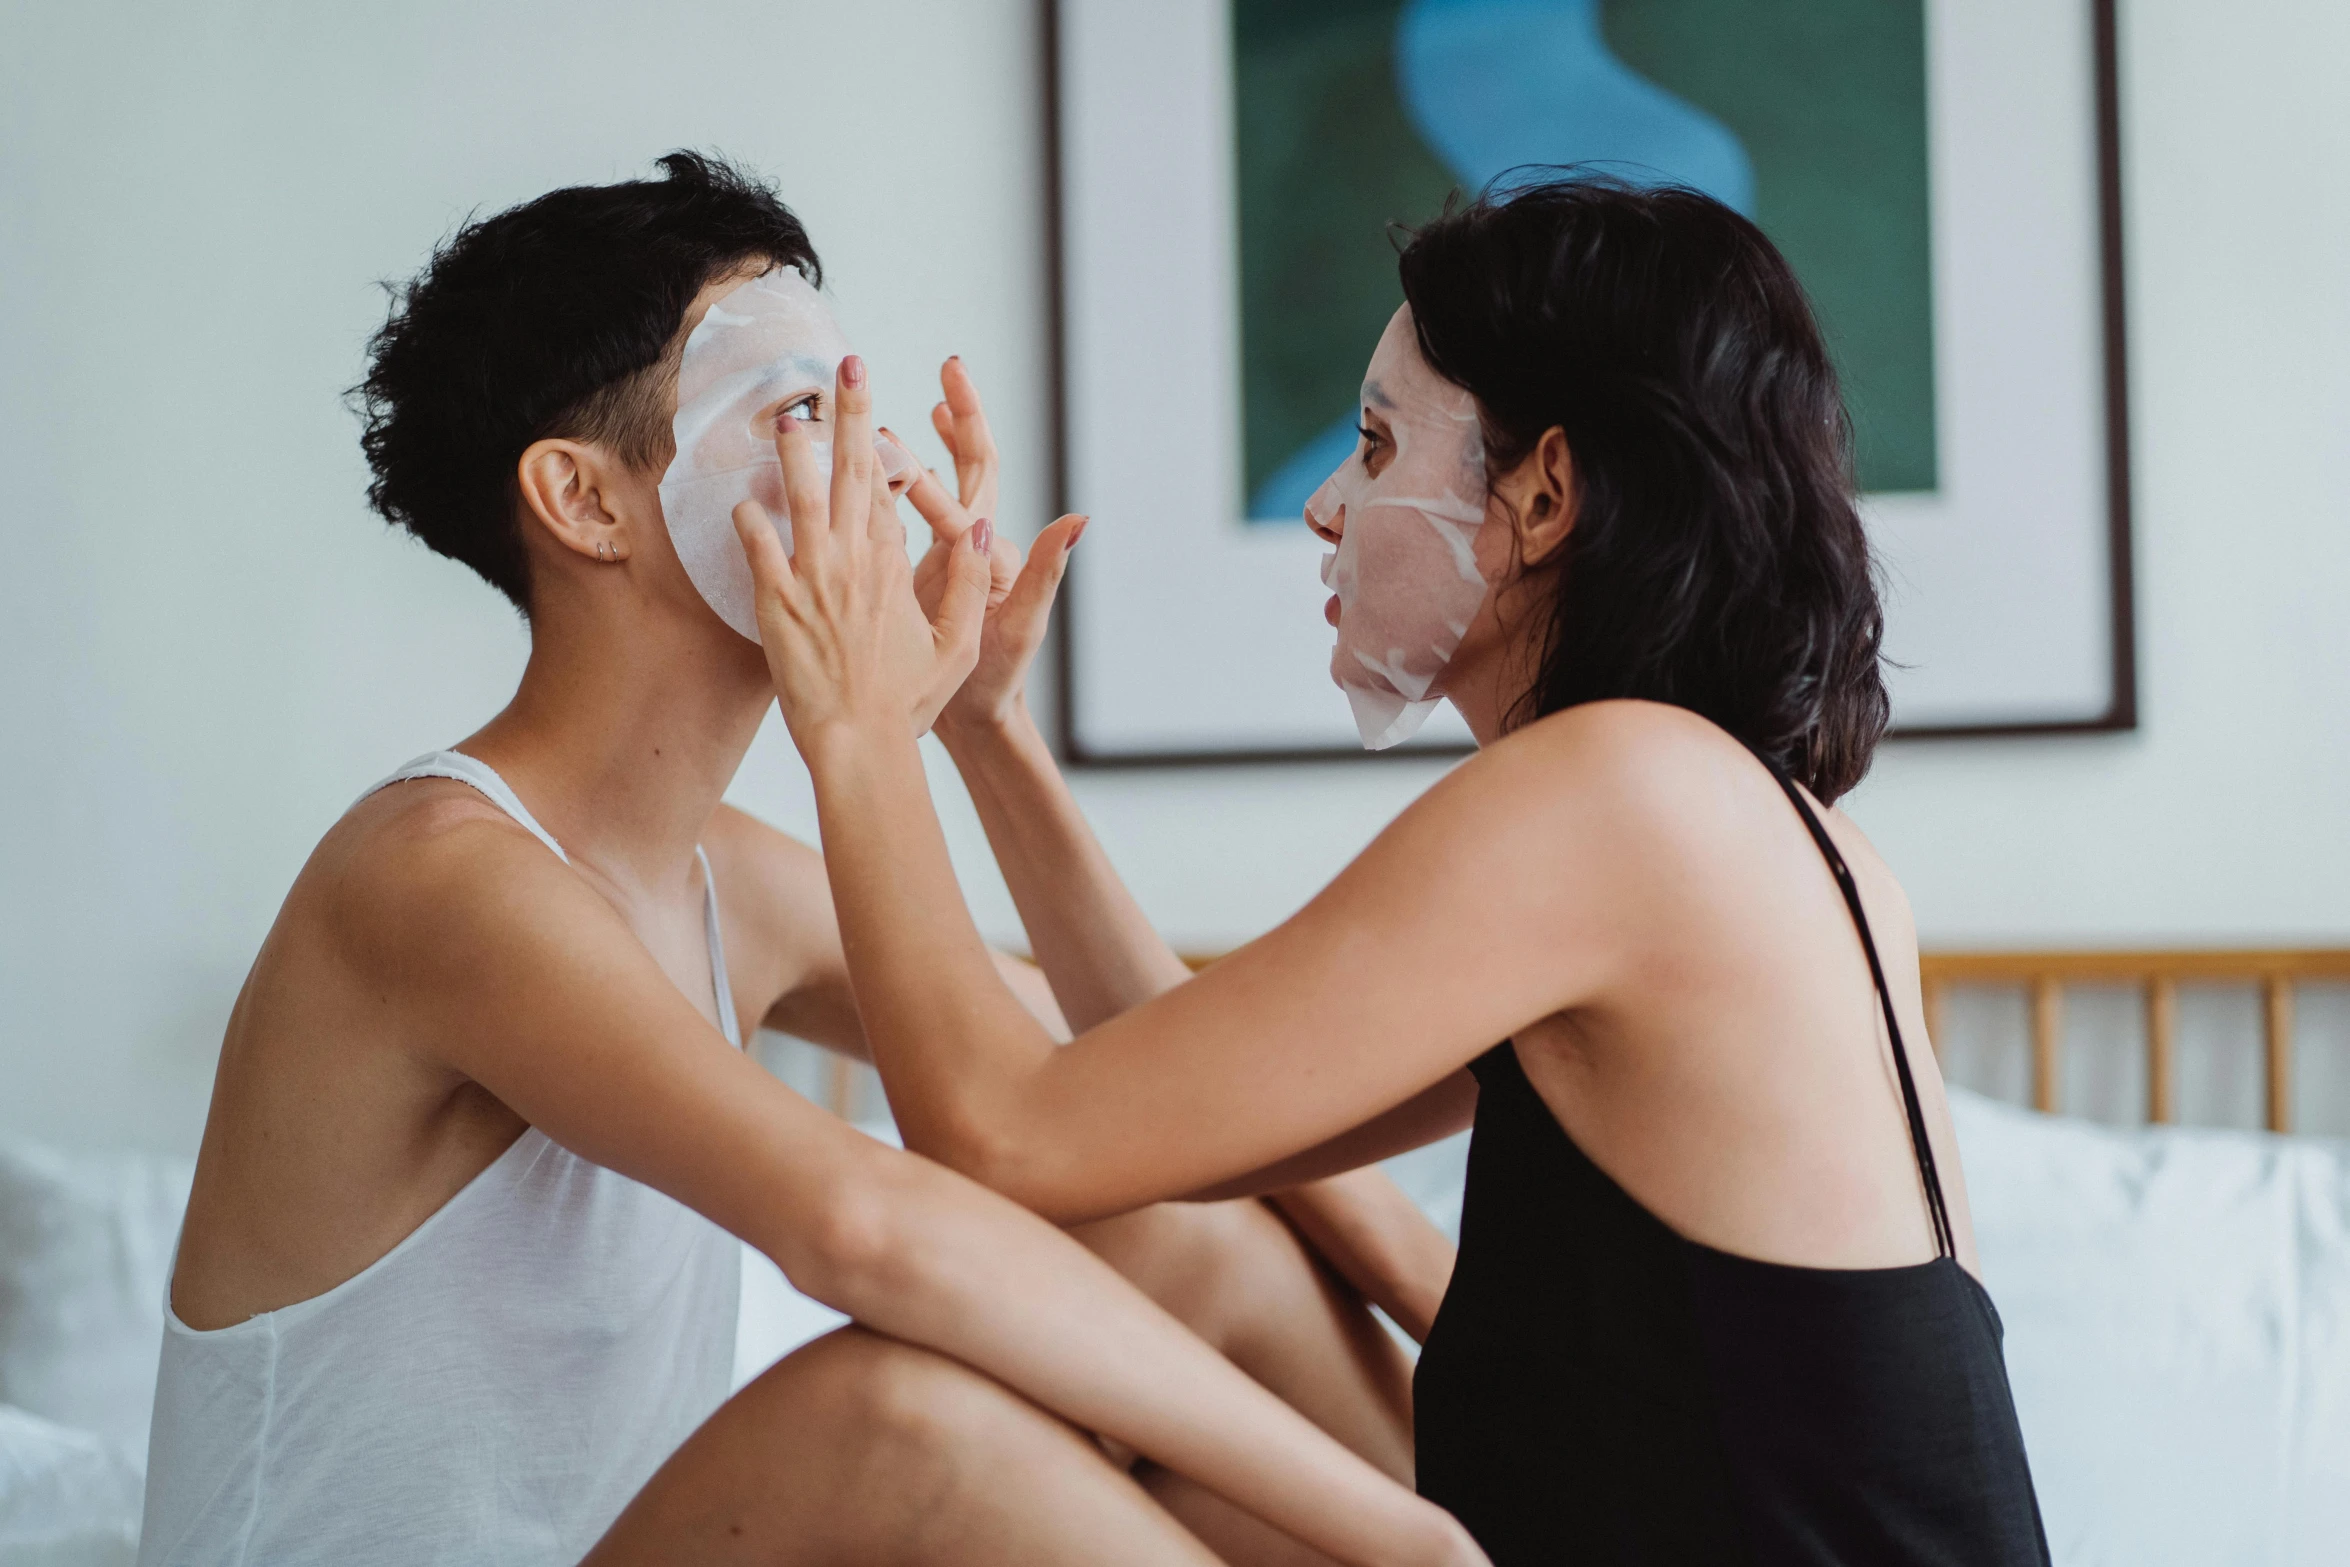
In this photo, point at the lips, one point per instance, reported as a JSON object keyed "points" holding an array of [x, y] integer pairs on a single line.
{"points": [[1330, 610]]}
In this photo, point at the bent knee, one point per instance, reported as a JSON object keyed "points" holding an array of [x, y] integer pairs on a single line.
{"points": [[1215, 1266], [862, 1393]]}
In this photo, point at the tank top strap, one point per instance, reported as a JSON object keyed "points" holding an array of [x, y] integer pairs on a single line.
{"points": [[1937, 1209], [484, 778], [725, 996]]}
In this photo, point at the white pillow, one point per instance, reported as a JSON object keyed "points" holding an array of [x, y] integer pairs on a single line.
{"points": [[85, 1248], [2177, 1303], [67, 1499]]}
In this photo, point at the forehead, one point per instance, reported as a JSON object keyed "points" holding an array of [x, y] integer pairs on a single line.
{"points": [[752, 340], [1399, 374], [760, 308]]}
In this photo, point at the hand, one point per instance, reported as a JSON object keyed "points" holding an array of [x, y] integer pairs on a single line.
{"points": [[1020, 597], [848, 645]]}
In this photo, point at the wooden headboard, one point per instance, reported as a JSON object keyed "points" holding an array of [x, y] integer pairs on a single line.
{"points": [[2158, 975]]}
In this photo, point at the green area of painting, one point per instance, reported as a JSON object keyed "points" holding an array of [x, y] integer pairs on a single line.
{"points": [[1327, 160], [1828, 98]]}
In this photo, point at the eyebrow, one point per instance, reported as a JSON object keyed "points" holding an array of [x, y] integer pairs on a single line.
{"points": [[1376, 395]]}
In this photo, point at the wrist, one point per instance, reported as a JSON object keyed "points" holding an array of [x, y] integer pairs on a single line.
{"points": [[1007, 725], [850, 748]]}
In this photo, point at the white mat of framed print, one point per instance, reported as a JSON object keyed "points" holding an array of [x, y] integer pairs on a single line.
{"points": [[1942, 173]]}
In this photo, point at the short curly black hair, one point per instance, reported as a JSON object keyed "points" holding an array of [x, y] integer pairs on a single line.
{"points": [[557, 317]]}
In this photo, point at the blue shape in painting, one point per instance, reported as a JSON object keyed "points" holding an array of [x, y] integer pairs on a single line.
{"points": [[1283, 495], [1493, 84]]}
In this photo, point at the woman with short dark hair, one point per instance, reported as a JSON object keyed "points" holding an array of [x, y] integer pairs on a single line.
{"points": [[1716, 1297]]}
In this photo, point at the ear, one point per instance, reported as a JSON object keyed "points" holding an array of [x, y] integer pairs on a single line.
{"points": [[1540, 494], [564, 488]]}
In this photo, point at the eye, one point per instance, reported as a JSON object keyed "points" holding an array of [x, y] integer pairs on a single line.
{"points": [[801, 410], [1376, 446]]}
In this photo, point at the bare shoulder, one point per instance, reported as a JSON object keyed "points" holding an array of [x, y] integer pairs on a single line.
{"points": [[740, 843], [775, 904], [770, 884], [1637, 795], [1613, 771], [420, 882]]}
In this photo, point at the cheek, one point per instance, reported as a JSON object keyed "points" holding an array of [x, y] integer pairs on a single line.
{"points": [[1496, 548]]}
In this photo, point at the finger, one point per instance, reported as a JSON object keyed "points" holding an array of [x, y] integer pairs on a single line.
{"points": [[853, 466], [883, 524], [771, 570], [1040, 580], [804, 504], [896, 460], [974, 443], [946, 516], [962, 611]]}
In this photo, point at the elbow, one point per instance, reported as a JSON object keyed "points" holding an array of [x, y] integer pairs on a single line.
{"points": [[989, 1151], [850, 1245], [973, 1144]]}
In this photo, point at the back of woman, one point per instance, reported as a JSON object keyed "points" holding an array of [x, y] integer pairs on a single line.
{"points": [[1601, 1385]]}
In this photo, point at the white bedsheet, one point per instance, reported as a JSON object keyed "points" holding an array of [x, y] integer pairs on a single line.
{"points": [[2178, 1334], [2177, 1305]]}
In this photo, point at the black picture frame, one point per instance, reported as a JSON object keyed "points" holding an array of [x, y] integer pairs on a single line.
{"points": [[2122, 711]]}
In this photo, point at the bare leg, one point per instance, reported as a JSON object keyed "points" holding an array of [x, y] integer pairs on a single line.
{"points": [[859, 1449], [1238, 1276]]}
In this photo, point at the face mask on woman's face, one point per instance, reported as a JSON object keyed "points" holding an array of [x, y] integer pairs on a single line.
{"points": [[767, 350], [1406, 508]]}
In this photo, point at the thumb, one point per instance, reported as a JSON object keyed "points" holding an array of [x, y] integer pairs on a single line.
{"points": [[1048, 560], [962, 608]]}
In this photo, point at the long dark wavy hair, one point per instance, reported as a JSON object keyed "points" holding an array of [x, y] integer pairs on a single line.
{"points": [[1716, 561]]}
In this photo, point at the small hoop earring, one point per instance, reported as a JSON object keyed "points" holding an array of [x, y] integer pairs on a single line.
{"points": [[603, 550]]}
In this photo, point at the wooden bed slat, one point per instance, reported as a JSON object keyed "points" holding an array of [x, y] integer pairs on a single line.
{"points": [[2277, 1027], [2162, 1036], [2044, 975], [2047, 1038]]}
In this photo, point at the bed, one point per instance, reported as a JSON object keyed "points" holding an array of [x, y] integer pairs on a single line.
{"points": [[2177, 1299]]}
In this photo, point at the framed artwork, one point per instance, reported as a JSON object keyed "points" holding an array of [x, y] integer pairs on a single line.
{"points": [[1229, 175]]}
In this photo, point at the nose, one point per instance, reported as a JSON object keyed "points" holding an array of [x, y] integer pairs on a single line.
{"points": [[1328, 532]]}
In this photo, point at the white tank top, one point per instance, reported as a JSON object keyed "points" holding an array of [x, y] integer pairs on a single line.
{"points": [[494, 1389]]}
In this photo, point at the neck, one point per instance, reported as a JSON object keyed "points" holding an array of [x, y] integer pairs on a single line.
{"points": [[622, 739], [1484, 689]]}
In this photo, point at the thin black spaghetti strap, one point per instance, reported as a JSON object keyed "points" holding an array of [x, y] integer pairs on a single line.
{"points": [[1937, 1209]]}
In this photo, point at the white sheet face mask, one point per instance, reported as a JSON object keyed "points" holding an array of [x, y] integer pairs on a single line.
{"points": [[1405, 570], [762, 344]]}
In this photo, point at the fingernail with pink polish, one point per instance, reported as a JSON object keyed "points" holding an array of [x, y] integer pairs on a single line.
{"points": [[983, 535], [1076, 533], [852, 371]]}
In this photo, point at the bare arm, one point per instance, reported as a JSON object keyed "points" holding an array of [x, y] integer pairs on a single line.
{"points": [[1430, 947], [1092, 940], [543, 995], [1104, 957], [774, 893]]}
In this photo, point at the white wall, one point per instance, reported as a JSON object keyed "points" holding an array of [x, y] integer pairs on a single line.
{"points": [[207, 645]]}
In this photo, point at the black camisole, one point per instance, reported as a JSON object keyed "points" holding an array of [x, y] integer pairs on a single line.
{"points": [[1598, 1389]]}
